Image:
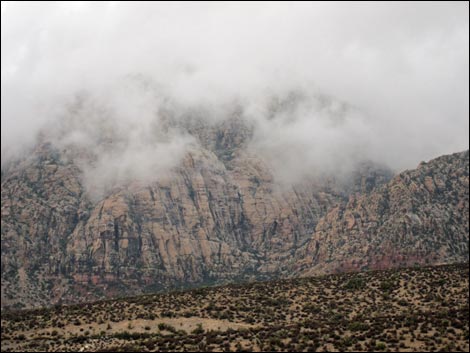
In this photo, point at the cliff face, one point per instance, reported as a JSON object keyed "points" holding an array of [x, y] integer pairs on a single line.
{"points": [[218, 216], [419, 217]]}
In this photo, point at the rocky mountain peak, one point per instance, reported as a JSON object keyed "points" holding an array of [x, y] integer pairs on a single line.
{"points": [[217, 216]]}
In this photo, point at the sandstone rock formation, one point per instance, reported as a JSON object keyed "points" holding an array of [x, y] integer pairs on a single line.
{"points": [[421, 216], [219, 216]]}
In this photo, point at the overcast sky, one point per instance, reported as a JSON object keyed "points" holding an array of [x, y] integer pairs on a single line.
{"points": [[403, 68]]}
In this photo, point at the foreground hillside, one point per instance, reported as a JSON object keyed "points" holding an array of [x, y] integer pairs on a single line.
{"points": [[410, 309]]}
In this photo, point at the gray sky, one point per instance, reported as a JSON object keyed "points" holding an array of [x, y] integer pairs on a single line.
{"points": [[402, 68]]}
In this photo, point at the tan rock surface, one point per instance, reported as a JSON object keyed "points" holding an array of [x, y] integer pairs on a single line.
{"points": [[419, 217], [219, 216]]}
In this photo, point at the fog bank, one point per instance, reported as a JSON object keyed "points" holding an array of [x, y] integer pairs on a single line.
{"points": [[323, 84]]}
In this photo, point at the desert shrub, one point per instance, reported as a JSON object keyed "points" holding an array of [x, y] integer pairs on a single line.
{"points": [[358, 326], [387, 285], [198, 330], [162, 327], [380, 346], [78, 339], [168, 313], [355, 284], [311, 308]]}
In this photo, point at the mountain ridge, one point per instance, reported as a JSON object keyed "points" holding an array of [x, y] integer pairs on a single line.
{"points": [[217, 217]]}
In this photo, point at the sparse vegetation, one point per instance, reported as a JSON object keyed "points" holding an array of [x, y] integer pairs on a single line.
{"points": [[414, 309]]}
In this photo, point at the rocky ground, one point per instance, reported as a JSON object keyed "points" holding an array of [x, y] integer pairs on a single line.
{"points": [[413, 309]]}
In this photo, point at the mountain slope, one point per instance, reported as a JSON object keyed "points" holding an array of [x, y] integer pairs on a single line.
{"points": [[218, 216], [420, 216]]}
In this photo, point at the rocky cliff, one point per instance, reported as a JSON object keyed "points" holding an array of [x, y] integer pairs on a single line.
{"points": [[420, 217], [218, 216]]}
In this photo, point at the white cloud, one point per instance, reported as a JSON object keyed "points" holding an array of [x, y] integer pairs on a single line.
{"points": [[402, 66]]}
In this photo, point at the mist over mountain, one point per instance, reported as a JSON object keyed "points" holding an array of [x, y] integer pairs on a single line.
{"points": [[149, 146], [322, 86]]}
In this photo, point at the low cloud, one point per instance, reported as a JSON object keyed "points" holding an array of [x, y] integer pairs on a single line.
{"points": [[323, 84]]}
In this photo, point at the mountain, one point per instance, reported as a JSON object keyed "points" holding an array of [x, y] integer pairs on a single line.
{"points": [[219, 216], [420, 217]]}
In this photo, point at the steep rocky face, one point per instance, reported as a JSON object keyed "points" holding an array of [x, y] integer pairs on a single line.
{"points": [[419, 217], [41, 203], [218, 216]]}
